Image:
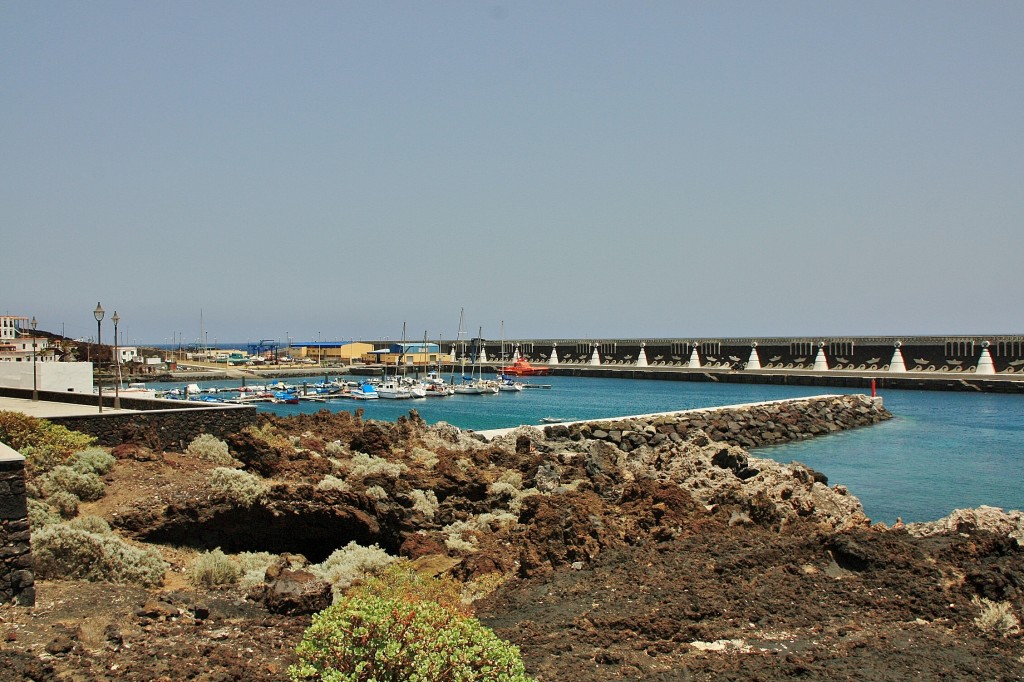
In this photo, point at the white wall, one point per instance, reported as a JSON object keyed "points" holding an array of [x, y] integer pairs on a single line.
{"points": [[64, 377]]}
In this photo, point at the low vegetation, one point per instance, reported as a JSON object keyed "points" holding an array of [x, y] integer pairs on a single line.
{"points": [[63, 551], [403, 627], [43, 444], [210, 448], [238, 486]]}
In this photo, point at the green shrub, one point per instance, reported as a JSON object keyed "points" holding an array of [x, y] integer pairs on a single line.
{"points": [[43, 444], [87, 487], [65, 503], [41, 514], [93, 461], [210, 448], [394, 633], [63, 551], [238, 486], [213, 568]]}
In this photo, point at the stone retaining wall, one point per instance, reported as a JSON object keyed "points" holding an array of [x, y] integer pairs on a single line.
{"points": [[748, 426], [17, 583], [161, 429]]}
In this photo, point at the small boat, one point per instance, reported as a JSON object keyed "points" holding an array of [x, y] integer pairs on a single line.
{"points": [[522, 368], [507, 384], [137, 389], [551, 420], [393, 389], [286, 397], [365, 391]]}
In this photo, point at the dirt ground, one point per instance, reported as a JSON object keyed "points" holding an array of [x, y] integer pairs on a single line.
{"points": [[605, 579]]}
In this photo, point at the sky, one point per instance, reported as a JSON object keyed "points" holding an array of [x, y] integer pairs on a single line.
{"points": [[338, 170]]}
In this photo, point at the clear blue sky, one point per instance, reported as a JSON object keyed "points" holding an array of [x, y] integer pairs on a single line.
{"points": [[574, 169]]}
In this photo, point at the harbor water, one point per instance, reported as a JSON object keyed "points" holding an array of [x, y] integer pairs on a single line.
{"points": [[940, 452]]}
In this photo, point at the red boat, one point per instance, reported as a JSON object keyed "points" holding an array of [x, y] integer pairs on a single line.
{"points": [[522, 368]]}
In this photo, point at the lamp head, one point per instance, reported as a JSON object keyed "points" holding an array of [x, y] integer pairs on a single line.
{"points": [[34, 323], [98, 313], [115, 318]]}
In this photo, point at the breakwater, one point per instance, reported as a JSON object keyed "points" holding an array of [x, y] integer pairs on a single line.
{"points": [[749, 426]]}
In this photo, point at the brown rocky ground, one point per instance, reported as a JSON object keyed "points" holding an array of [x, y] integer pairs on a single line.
{"points": [[661, 563]]}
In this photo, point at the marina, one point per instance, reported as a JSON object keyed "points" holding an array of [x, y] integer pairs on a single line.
{"points": [[941, 451]]}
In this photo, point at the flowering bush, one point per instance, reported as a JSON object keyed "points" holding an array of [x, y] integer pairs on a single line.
{"points": [[44, 444], [386, 630]]}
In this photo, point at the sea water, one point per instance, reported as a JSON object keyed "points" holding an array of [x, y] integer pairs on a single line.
{"points": [[941, 451]]}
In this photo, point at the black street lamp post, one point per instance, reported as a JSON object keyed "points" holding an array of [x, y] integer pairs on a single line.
{"points": [[98, 314], [35, 383], [117, 359]]}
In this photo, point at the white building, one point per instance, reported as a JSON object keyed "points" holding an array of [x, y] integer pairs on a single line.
{"points": [[17, 369], [16, 341]]}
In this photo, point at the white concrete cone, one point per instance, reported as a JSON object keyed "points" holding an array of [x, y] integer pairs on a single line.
{"points": [[694, 362], [896, 364], [820, 362], [515, 353], [483, 354], [641, 360], [985, 364], [452, 354], [595, 359], [553, 359], [754, 362]]}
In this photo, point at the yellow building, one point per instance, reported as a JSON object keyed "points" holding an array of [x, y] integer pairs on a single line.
{"points": [[332, 353], [405, 354]]}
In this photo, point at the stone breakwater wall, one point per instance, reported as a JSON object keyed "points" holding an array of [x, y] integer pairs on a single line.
{"points": [[161, 429], [17, 583], [748, 426]]}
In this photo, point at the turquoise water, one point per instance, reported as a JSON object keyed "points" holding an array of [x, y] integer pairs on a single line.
{"points": [[941, 451]]}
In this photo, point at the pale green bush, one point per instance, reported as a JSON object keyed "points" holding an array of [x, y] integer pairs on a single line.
{"points": [[214, 568], [91, 523], [424, 502], [491, 521], [503, 489], [238, 486], [350, 563], [394, 631], [460, 536], [210, 448], [512, 477], [65, 503], [425, 458], [329, 482], [996, 617], [334, 449], [377, 493], [93, 461], [61, 551], [87, 487], [42, 514], [363, 466], [253, 567]]}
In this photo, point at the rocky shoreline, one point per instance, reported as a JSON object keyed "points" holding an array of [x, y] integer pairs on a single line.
{"points": [[650, 548]]}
